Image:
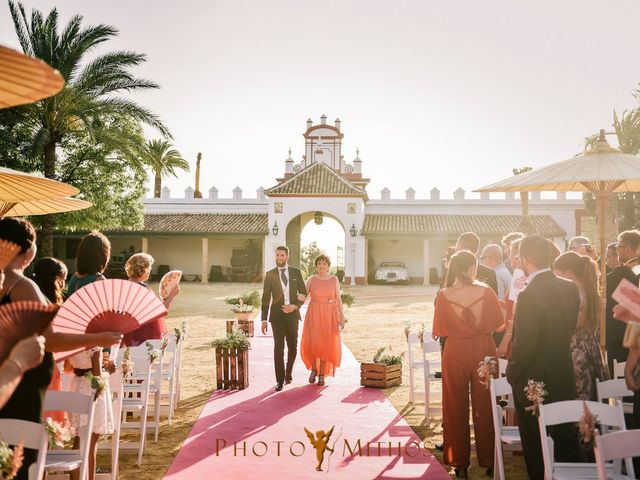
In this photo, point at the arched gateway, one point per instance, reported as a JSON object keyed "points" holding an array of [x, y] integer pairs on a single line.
{"points": [[214, 239]]}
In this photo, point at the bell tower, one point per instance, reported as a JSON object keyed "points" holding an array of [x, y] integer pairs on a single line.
{"points": [[323, 143]]}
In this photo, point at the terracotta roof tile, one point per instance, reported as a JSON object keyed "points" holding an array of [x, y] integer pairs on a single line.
{"points": [[318, 179], [253, 223], [380, 224]]}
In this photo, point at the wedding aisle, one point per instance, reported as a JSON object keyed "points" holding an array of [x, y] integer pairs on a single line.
{"points": [[258, 432]]}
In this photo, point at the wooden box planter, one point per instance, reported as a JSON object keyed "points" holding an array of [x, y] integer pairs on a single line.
{"points": [[232, 368], [246, 325], [379, 375]]}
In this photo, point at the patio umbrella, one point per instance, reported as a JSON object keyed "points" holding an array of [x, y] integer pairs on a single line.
{"points": [[24, 79], [43, 207], [602, 170]]}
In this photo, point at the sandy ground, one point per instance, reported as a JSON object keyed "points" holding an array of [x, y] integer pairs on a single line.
{"points": [[377, 319]]}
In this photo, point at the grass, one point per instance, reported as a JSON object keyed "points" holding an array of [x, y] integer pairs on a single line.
{"points": [[376, 319]]}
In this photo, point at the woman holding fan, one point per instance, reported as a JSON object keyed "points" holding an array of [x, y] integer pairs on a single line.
{"points": [[26, 402], [138, 269]]}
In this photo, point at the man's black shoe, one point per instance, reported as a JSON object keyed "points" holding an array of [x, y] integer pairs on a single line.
{"points": [[278, 387]]}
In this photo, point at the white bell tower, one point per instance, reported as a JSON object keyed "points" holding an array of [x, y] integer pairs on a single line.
{"points": [[323, 143]]}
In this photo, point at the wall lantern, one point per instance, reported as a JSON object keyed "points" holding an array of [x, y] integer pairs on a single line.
{"points": [[318, 218], [275, 229], [353, 230]]}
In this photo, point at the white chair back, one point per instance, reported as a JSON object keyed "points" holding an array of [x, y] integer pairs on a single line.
{"points": [[72, 402], [502, 366], [571, 411], [614, 389], [32, 435], [618, 369], [504, 436], [430, 347], [624, 444], [412, 344]]}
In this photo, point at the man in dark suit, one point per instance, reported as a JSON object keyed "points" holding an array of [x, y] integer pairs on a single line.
{"points": [[281, 307], [471, 242], [545, 320]]}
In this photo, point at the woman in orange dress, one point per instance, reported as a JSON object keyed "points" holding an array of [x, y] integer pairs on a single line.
{"points": [[320, 346], [466, 312]]}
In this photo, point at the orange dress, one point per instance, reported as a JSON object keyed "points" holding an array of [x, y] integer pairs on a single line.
{"points": [[320, 333], [469, 340]]}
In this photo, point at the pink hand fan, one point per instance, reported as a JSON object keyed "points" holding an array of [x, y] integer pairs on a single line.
{"points": [[107, 306], [19, 320], [169, 281]]}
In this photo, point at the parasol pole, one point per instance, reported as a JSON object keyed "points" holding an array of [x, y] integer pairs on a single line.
{"points": [[601, 205]]}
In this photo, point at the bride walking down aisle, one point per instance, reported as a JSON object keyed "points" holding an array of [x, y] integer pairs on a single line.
{"points": [[320, 346]]}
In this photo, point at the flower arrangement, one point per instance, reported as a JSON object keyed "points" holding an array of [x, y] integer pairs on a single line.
{"points": [[251, 298], [98, 383], [407, 329], [420, 334], [180, 332], [535, 394], [10, 460], [60, 435], [236, 339], [487, 369], [164, 343], [154, 355], [387, 359], [242, 307], [127, 363], [347, 298], [587, 425]]}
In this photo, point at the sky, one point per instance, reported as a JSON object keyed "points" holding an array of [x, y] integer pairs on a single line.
{"points": [[434, 93]]}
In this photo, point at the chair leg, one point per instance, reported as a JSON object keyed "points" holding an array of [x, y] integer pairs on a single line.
{"points": [[171, 398], [143, 434], [411, 385], [156, 414]]}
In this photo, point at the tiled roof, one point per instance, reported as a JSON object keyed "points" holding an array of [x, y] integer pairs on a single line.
{"points": [[455, 224], [255, 223], [318, 180]]}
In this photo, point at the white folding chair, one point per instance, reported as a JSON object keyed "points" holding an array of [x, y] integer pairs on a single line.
{"points": [[430, 366], [117, 392], [624, 444], [570, 411], [507, 438], [412, 344], [615, 390], [156, 388], [32, 435], [618, 368], [169, 358], [71, 459], [135, 398], [179, 349], [502, 367]]}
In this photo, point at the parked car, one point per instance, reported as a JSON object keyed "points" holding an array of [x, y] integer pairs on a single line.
{"points": [[392, 272]]}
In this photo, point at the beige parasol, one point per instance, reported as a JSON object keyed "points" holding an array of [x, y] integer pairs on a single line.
{"points": [[25, 79], [43, 207], [601, 170]]}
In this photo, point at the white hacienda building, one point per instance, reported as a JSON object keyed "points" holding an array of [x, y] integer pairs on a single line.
{"points": [[205, 237]]}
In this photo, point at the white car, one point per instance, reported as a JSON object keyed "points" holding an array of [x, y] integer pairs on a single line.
{"points": [[392, 272]]}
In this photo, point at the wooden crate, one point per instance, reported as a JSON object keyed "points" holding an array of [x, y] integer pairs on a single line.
{"points": [[232, 368], [245, 325], [379, 375]]}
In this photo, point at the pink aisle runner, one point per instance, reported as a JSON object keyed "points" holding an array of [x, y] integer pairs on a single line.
{"points": [[258, 433]]}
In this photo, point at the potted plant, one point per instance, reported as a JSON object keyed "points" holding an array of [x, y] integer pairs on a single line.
{"points": [[385, 371], [232, 360], [243, 306]]}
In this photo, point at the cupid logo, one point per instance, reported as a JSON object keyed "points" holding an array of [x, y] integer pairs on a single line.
{"points": [[320, 443]]}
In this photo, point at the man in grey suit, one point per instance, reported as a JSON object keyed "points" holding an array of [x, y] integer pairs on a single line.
{"points": [[281, 307]]}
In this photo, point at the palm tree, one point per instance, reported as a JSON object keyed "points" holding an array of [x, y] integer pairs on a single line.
{"points": [[88, 103], [163, 160]]}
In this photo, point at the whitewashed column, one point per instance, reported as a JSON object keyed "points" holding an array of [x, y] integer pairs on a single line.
{"points": [[205, 260], [425, 261], [145, 244]]}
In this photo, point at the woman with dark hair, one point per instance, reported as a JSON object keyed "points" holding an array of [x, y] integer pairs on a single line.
{"points": [[50, 274], [320, 346], [26, 401], [92, 259], [466, 312], [587, 363]]}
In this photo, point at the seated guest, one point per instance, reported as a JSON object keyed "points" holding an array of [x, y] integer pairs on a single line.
{"points": [[138, 269], [587, 362], [466, 313], [545, 321]]}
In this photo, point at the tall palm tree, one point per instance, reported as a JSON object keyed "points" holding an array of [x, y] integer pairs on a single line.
{"points": [[89, 99], [164, 160]]}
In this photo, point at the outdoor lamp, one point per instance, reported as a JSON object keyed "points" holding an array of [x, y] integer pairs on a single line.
{"points": [[353, 230], [318, 218], [275, 229]]}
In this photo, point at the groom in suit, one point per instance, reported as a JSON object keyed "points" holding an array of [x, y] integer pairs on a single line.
{"points": [[280, 306], [545, 320]]}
